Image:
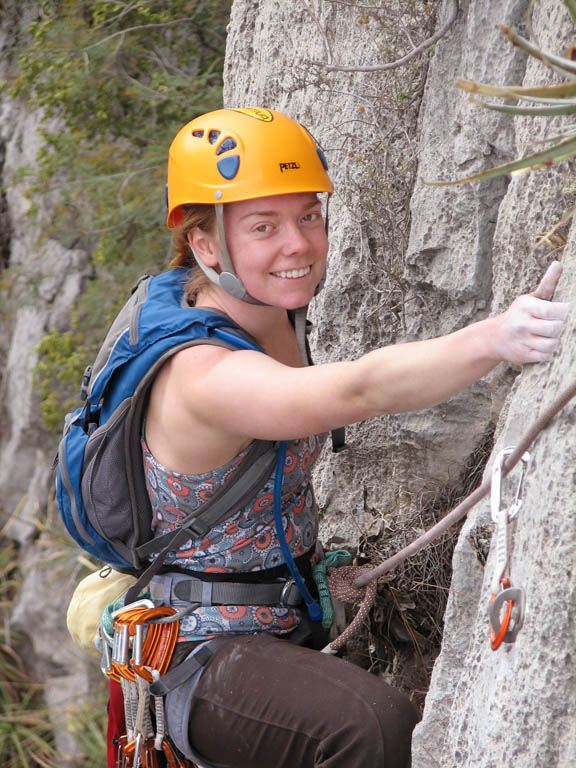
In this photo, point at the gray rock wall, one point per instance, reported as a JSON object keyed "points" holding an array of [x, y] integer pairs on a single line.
{"points": [[517, 705], [368, 125], [469, 251]]}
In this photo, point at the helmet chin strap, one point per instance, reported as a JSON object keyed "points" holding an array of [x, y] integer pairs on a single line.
{"points": [[228, 280]]}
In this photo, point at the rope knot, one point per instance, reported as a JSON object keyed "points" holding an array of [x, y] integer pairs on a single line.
{"points": [[341, 581]]}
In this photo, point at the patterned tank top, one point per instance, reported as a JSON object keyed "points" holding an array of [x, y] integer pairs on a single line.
{"points": [[244, 542]]}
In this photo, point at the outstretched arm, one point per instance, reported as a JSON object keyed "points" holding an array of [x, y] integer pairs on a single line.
{"points": [[247, 393]]}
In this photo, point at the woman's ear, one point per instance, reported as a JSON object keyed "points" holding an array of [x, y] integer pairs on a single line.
{"points": [[205, 246]]}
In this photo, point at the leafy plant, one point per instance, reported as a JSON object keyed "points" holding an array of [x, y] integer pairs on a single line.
{"points": [[121, 78], [58, 365], [536, 102], [114, 81]]}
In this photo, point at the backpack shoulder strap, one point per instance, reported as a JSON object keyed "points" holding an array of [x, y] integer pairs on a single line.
{"points": [[302, 328], [237, 492], [263, 451]]}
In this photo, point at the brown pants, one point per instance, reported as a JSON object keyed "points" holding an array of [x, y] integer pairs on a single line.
{"points": [[265, 703]]}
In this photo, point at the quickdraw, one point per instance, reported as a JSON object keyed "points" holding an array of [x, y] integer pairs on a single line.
{"points": [[504, 596], [137, 654]]}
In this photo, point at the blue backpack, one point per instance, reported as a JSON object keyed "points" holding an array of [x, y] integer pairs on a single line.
{"points": [[100, 483]]}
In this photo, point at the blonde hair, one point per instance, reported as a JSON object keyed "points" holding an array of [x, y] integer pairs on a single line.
{"points": [[195, 216]]}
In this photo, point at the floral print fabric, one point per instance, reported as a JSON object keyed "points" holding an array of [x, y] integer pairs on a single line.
{"points": [[246, 541]]}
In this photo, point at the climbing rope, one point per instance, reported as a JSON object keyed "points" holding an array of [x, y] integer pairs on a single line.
{"points": [[367, 577], [341, 581]]}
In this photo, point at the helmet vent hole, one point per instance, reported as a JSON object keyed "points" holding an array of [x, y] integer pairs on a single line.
{"points": [[213, 136], [226, 146], [198, 134]]}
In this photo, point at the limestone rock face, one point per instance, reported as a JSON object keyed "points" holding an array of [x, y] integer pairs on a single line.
{"points": [[408, 261], [375, 294], [469, 251], [516, 705]]}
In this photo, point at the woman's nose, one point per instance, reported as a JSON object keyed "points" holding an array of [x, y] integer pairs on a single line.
{"points": [[295, 241]]}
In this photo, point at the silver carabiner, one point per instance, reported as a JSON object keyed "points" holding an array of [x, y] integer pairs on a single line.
{"points": [[143, 603], [138, 643], [496, 485]]}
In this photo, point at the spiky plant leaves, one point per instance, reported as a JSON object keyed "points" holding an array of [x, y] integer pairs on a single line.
{"points": [[559, 63], [547, 92], [528, 111], [544, 159], [546, 102]]}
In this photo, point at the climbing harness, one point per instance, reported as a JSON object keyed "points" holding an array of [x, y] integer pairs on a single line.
{"points": [[503, 594]]}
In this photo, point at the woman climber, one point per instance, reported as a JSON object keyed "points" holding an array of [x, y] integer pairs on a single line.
{"points": [[247, 221]]}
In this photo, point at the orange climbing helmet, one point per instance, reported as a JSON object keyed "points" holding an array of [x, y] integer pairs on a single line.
{"points": [[240, 154]]}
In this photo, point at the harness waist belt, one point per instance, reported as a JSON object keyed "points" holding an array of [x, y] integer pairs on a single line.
{"points": [[193, 590]]}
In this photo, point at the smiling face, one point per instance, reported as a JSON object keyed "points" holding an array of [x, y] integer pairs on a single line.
{"points": [[278, 246]]}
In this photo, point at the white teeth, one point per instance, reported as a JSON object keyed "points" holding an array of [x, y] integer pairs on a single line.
{"points": [[293, 272]]}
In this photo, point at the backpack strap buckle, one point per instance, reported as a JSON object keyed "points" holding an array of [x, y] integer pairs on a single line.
{"points": [[290, 594], [85, 385]]}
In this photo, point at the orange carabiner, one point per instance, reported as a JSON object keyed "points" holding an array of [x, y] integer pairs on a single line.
{"points": [[497, 638], [505, 631], [156, 649], [159, 643]]}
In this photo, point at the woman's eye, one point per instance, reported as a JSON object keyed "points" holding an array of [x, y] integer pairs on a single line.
{"points": [[313, 216], [263, 227]]}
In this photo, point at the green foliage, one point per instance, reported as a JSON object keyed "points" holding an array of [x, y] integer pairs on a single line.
{"points": [[118, 79], [57, 368], [122, 78], [571, 6]]}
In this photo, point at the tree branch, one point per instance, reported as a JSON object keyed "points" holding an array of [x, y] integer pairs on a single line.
{"points": [[127, 9], [359, 7], [140, 26], [324, 37], [405, 59]]}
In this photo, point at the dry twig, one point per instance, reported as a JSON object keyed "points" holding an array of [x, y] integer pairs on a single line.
{"points": [[404, 59]]}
